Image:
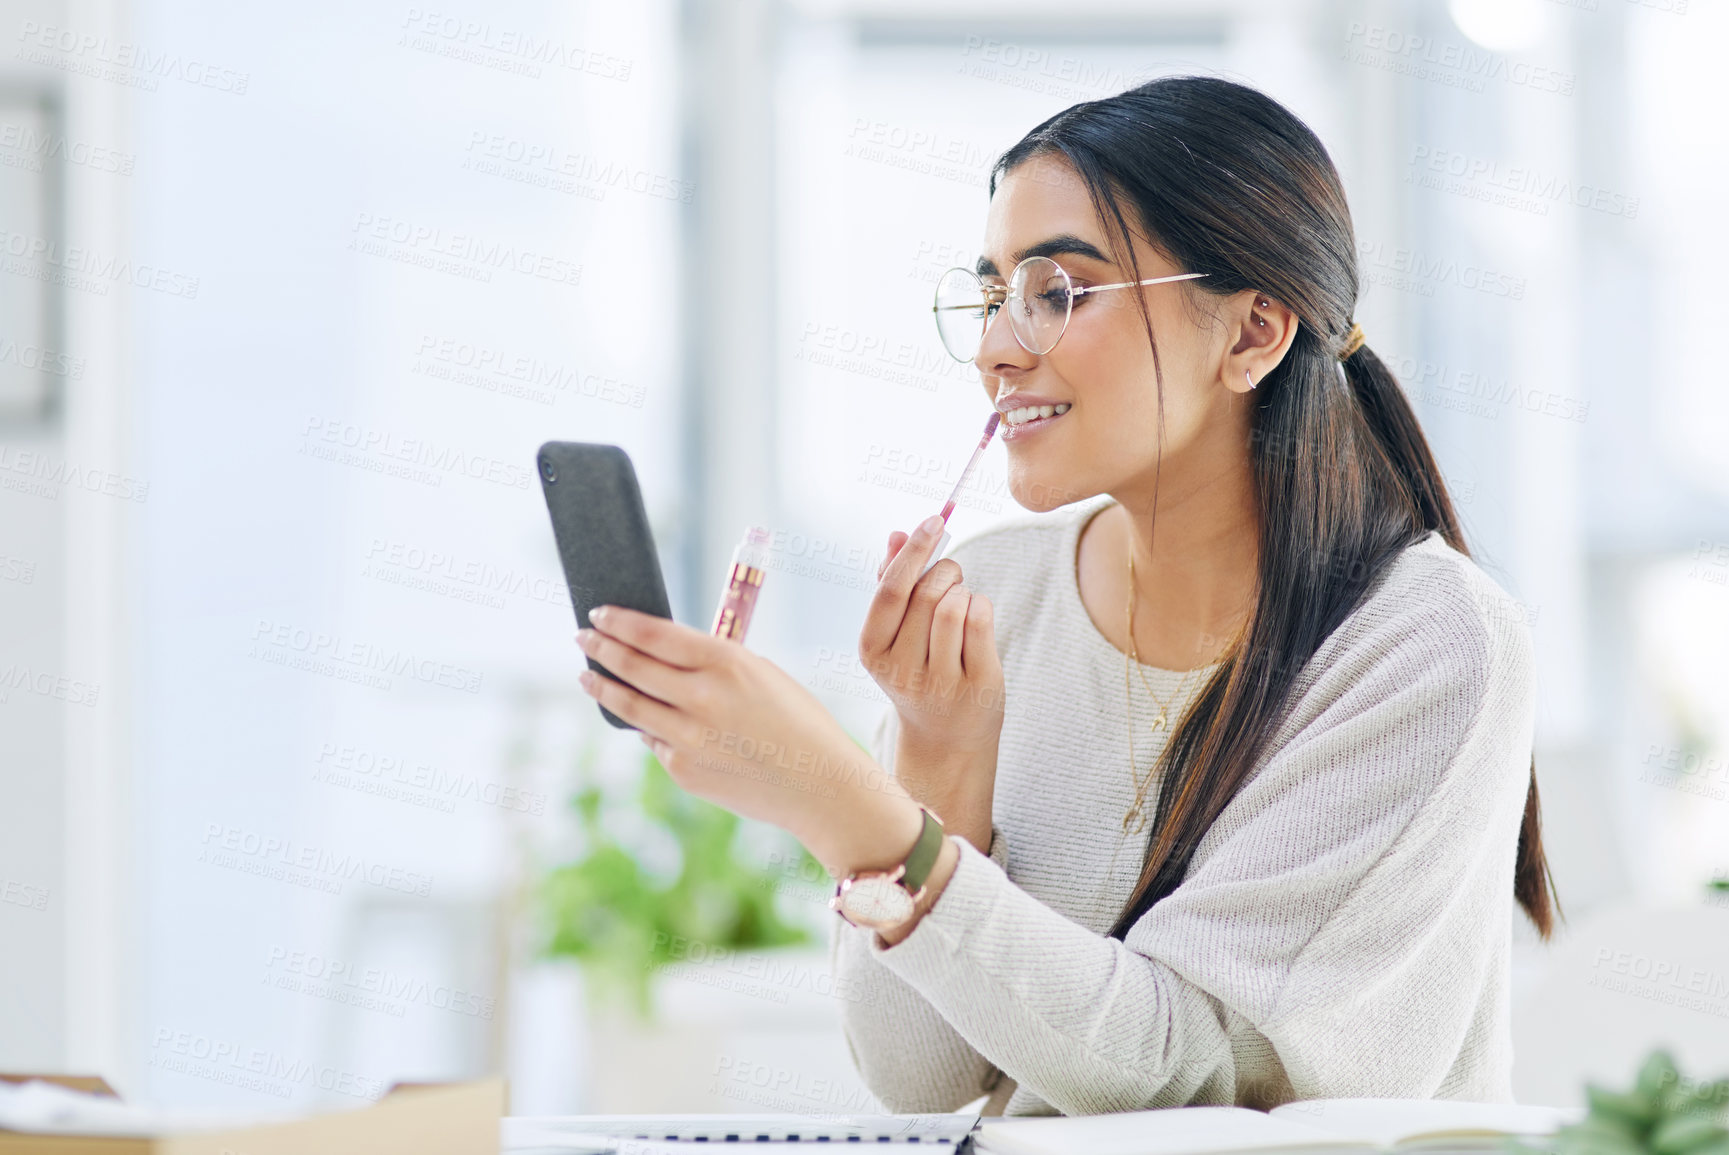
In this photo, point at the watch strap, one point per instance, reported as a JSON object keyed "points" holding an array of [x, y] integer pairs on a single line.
{"points": [[923, 857]]}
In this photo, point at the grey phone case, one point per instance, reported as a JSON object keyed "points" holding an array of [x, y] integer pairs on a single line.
{"points": [[603, 536]]}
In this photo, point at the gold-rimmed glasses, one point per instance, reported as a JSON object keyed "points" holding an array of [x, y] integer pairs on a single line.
{"points": [[1040, 298]]}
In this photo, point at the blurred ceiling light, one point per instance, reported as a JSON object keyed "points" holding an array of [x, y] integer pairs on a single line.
{"points": [[1501, 25]]}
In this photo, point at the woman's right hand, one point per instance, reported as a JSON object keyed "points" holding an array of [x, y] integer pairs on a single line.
{"points": [[930, 643]]}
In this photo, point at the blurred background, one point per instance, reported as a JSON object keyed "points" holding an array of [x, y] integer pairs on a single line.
{"points": [[300, 796]]}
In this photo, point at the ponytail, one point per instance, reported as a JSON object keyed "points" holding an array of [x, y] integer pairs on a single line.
{"points": [[1391, 420]]}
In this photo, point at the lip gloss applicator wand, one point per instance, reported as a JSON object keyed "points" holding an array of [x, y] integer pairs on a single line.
{"points": [[943, 542]]}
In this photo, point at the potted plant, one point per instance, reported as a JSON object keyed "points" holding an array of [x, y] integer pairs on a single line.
{"points": [[1664, 1113], [658, 878], [606, 909]]}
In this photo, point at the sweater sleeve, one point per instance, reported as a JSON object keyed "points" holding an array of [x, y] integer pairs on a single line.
{"points": [[1347, 903], [909, 1056]]}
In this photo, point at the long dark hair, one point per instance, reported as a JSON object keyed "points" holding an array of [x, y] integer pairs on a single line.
{"points": [[1227, 182]]}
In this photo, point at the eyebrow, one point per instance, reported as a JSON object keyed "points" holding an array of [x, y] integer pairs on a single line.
{"points": [[1061, 243]]}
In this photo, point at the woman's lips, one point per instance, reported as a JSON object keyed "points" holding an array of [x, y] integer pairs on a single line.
{"points": [[1029, 428]]}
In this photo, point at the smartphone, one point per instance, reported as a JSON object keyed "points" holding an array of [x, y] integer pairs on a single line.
{"points": [[604, 541]]}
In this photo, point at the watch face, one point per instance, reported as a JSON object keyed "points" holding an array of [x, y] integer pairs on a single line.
{"points": [[876, 901]]}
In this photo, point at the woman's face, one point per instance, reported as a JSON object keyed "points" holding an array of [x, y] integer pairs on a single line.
{"points": [[1102, 368]]}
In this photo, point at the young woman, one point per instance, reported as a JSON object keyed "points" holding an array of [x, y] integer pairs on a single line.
{"points": [[1274, 857]]}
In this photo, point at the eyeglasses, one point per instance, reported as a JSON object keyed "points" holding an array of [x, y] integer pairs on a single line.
{"points": [[1040, 297]]}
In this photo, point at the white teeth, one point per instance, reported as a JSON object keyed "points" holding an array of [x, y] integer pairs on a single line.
{"points": [[1028, 412]]}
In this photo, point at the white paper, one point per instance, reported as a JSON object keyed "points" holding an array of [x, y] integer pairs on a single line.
{"points": [[50, 1109], [1177, 1131], [1388, 1122]]}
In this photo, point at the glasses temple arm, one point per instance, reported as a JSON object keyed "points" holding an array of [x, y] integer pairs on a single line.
{"points": [[1132, 284]]}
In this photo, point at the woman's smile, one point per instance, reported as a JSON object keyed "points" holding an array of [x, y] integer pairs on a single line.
{"points": [[1025, 416]]}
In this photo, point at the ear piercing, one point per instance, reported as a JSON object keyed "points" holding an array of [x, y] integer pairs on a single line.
{"points": [[1262, 321]]}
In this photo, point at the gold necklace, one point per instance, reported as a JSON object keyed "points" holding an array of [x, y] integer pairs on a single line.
{"points": [[1135, 820], [1136, 814]]}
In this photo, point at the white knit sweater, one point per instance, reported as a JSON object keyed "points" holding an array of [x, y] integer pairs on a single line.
{"points": [[1343, 929]]}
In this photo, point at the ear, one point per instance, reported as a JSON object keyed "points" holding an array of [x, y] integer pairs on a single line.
{"points": [[1262, 331]]}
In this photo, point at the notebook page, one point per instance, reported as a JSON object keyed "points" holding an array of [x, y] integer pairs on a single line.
{"points": [[1178, 1131], [1388, 1122], [550, 1130]]}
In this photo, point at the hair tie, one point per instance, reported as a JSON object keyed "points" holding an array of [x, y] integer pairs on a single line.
{"points": [[1353, 341]]}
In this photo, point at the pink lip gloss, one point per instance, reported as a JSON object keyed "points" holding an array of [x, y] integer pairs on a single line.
{"points": [[743, 583], [943, 542]]}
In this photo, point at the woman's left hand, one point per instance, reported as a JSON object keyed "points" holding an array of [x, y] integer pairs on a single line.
{"points": [[734, 728]]}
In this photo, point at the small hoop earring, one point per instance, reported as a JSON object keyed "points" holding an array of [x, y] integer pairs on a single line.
{"points": [[1248, 378]]}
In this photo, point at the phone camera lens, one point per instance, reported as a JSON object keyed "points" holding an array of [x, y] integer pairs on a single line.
{"points": [[547, 471]]}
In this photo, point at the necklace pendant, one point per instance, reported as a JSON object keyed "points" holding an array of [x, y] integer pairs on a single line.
{"points": [[1159, 722]]}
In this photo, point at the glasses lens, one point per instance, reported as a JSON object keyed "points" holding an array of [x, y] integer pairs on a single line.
{"points": [[960, 307], [1038, 305]]}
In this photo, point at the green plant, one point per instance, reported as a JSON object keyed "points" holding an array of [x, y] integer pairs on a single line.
{"points": [[608, 911], [1664, 1114]]}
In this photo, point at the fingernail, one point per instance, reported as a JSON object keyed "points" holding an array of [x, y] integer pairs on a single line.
{"points": [[599, 614], [932, 525], [586, 678], [585, 638]]}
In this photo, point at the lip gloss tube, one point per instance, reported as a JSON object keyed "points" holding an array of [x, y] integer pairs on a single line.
{"points": [[949, 506], [743, 583]]}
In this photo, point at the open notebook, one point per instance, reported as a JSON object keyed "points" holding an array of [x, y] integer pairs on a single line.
{"points": [[1311, 1127]]}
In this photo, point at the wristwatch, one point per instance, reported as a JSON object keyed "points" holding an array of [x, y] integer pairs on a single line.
{"points": [[882, 899]]}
